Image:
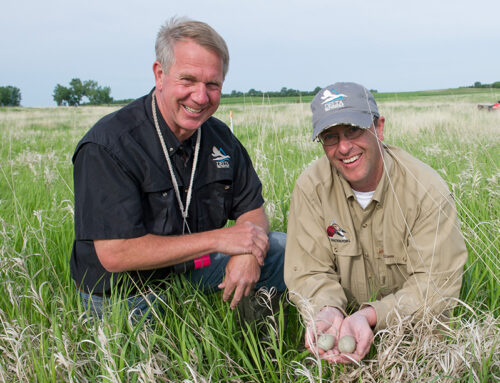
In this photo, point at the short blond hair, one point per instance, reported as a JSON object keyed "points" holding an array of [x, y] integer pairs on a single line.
{"points": [[179, 29]]}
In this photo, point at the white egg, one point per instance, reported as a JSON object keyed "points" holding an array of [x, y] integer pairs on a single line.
{"points": [[347, 344], [326, 341]]}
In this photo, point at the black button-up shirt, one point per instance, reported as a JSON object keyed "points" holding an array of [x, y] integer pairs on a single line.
{"points": [[123, 188]]}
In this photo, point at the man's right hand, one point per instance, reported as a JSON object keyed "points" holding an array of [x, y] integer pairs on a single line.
{"points": [[243, 238], [328, 320]]}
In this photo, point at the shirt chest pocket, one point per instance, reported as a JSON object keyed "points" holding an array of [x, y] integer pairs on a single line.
{"points": [[393, 253], [346, 251], [162, 214], [394, 259], [350, 266], [213, 204], [393, 242]]}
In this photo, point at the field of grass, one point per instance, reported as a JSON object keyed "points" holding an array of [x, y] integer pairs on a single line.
{"points": [[46, 337]]}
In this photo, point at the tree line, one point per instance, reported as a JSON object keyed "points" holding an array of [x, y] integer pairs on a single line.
{"points": [[284, 92], [478, 84]]}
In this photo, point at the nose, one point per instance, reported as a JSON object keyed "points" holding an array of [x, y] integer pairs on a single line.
{"points": [[344, 146], [200, 95]]}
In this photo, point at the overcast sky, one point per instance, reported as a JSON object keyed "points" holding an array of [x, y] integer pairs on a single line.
{"points": [[388, 45]]}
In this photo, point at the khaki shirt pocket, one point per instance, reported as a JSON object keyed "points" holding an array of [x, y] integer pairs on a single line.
{"points": [[394, 267], [350, 265]]}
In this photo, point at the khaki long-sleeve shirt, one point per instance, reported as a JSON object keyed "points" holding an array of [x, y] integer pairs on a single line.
{"points": [[405, 251]]}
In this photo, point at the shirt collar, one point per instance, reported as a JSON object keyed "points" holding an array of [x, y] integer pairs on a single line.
{"points": [[345, 185], [170, 138]]}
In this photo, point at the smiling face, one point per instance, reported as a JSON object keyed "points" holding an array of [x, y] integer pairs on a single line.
{"points": [[190, 92], [359, 160]]}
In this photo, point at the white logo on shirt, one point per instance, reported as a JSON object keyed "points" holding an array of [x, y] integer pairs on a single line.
{"points": [[220, 157], [336, 233]]}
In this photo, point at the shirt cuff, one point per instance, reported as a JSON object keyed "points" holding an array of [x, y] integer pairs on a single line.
{"points": [[382, 310]]}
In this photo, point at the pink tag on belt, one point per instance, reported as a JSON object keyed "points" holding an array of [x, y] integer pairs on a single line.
{"points": [[202, 261]]}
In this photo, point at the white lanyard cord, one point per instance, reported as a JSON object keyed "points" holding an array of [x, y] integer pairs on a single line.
{"points": [[184, 212]]}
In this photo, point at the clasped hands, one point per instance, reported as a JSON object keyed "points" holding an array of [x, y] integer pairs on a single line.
{"points": [[331, 320]]}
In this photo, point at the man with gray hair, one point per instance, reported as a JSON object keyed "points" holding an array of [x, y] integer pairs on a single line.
{"points": [[372, 232], [156, 182]]}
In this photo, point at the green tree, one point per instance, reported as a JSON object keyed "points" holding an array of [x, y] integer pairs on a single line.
{"points": [[100, 96], [10, 96], [61, 95], [77, 92], [97, 95], [74, 94], [89, 86]]}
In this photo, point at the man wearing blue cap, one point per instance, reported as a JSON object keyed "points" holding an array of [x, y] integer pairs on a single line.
{"points": [[373, 233]]}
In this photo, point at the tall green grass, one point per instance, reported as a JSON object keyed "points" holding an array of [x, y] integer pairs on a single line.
{"points": [[45, 336]]}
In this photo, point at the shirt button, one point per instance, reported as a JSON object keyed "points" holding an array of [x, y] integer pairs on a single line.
{"points": [[185, 190], [171, 149], [164, 194], [364, 226]]}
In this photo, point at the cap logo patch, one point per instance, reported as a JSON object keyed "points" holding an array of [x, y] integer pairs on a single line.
{"points": [[220, 158], [332, 100], [336, 233]]}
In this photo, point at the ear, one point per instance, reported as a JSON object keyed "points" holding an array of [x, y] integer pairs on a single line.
{"points": [[158, 73], [380, 128]]}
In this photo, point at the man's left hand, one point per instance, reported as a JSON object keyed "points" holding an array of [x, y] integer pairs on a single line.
{"points": [[357, 325], [242, 273]]}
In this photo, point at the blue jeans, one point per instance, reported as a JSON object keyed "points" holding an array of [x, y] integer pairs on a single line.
{"points": [[207, 278], [271, 274], [138, 305]]}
